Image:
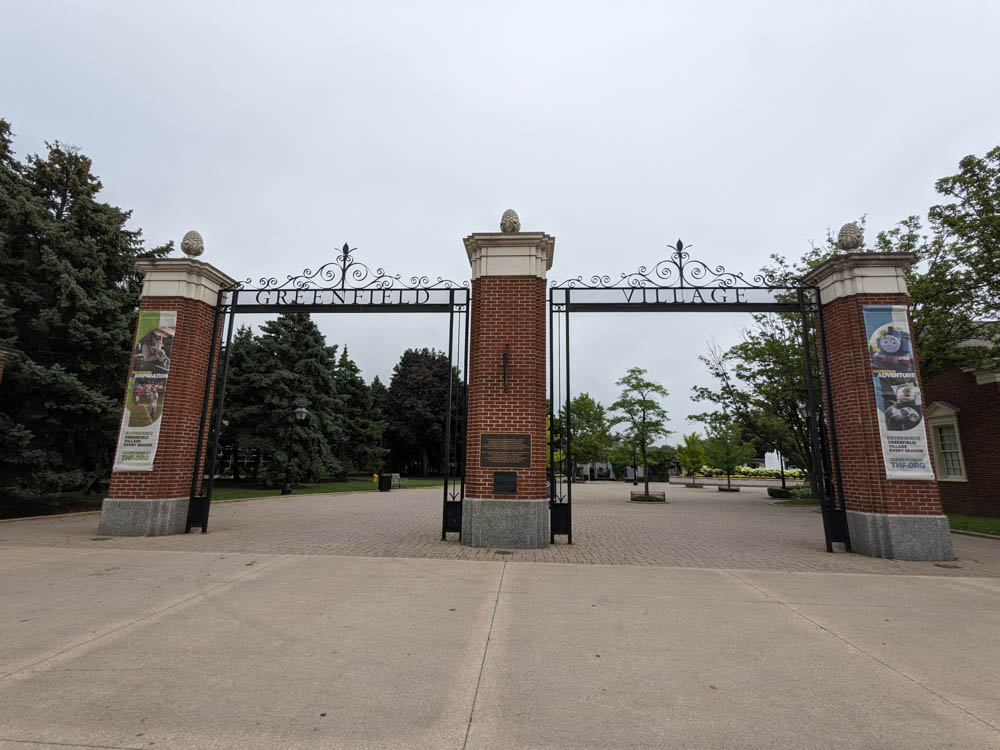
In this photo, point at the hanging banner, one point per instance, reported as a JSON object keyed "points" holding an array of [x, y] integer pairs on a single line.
{"points": [[897, 393], [147, 386]]}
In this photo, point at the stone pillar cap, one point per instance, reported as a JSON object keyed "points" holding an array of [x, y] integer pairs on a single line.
{"points": [[860, 273], [182, 277], [510, 253]]}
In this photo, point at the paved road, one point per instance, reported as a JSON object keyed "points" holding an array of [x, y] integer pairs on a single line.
{"points": [[181, 650], [698, 529], [311, 622]]}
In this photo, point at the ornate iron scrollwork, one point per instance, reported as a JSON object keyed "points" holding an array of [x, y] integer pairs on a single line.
{"points": [[347, 273], [679, 271]]}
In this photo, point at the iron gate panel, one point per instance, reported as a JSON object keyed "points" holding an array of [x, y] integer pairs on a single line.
{"points": [[344, 285], [680, 284]]}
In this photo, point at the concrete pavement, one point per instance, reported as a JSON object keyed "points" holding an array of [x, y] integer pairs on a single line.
{"points": [[139, 648], [700, 528]]}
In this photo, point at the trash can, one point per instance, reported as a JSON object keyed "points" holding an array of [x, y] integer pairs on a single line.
{"points": [[384, 481]]}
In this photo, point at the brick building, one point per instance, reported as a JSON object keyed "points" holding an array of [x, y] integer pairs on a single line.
{"points": [[963, 413]]}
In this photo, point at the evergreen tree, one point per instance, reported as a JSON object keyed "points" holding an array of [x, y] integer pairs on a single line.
{"points": [[362, 449], [415, 409], [244, 410], [68, 302], [297, 369]]}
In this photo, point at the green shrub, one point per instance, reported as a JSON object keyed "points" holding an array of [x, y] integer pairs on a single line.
{"points": [[779, 492], [801, 493]]}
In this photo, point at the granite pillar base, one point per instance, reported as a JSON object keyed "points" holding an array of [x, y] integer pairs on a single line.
{"points": [[121, 517], [900, 537], [514, 524]]}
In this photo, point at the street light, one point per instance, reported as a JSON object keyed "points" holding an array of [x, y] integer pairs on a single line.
{"points": [[298, 415]]}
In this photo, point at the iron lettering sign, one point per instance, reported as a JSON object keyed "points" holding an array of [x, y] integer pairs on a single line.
{"points": [[705, 295], [512, 451], [348, 296], [504, 482]]}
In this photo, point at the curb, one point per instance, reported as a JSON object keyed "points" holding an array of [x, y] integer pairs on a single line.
{"points": [[50, 515], [975, 533]]}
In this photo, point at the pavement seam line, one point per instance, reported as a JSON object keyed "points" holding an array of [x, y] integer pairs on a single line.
{"points": [[482, 663], [129, 624], [871, 656], [71, 744]]}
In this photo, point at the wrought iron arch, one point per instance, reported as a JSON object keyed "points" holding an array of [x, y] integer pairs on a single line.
{"points": [[342, 285], [682, 283]]}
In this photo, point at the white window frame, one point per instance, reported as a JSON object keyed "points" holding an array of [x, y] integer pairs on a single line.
{"points": [[940, 414]]}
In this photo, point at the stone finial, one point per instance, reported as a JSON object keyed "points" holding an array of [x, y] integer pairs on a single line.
{"points": [[509, 223], [850, 237], [192, 245]]}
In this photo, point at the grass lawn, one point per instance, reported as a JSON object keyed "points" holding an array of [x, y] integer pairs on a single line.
{"points": [[67, 502], [799, 501], [980, 524], [223, 492], [77, 502]]}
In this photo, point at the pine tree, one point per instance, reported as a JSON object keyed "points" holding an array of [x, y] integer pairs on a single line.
{"points": [[297, 369], [416, 405], [243, 409], [362, 449], [68, 302]]}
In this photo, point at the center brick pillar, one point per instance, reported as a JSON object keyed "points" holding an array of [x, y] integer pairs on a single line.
{"points": [[507, 402], [894, 518]]}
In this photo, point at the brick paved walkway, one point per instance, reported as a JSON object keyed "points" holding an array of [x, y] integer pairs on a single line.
{"points": [[697, 529]]}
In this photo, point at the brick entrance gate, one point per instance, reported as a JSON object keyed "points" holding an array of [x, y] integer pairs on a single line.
{"points": [[498, 495]]}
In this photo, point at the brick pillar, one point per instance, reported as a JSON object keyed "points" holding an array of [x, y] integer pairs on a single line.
{"points": [[506, 503], [151, 502], [899, 518]]}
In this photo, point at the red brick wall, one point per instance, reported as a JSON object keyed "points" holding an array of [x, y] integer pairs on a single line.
{"points": [[174, 461], [507, 310], [978, 417], [865, 487]]}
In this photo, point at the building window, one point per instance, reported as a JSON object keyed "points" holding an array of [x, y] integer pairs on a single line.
{"points": [[950, 450], [943, 421]]}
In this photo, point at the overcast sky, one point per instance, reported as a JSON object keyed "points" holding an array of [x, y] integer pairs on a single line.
{"points": [[282, 130]]}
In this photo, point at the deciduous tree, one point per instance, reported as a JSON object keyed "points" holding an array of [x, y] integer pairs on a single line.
{"points": [[691, 454], [725, 448], [591, 433], [639, 410]]}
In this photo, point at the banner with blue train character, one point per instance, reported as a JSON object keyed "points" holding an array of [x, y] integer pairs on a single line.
{"points": [[897, 393]]}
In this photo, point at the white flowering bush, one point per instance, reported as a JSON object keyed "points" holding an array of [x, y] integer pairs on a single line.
{"points": [[752, 472]]}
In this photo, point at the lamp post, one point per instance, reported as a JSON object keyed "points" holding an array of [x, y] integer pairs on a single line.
{"points": [[298, 415], [781, 465]]}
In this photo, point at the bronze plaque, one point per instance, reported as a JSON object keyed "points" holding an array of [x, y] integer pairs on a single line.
{"points": [[504, 482], [505, 450]]}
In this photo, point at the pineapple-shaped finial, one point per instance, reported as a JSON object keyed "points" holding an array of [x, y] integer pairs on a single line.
{"points": [[509, 223], [850, 237], [192, 244]]}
